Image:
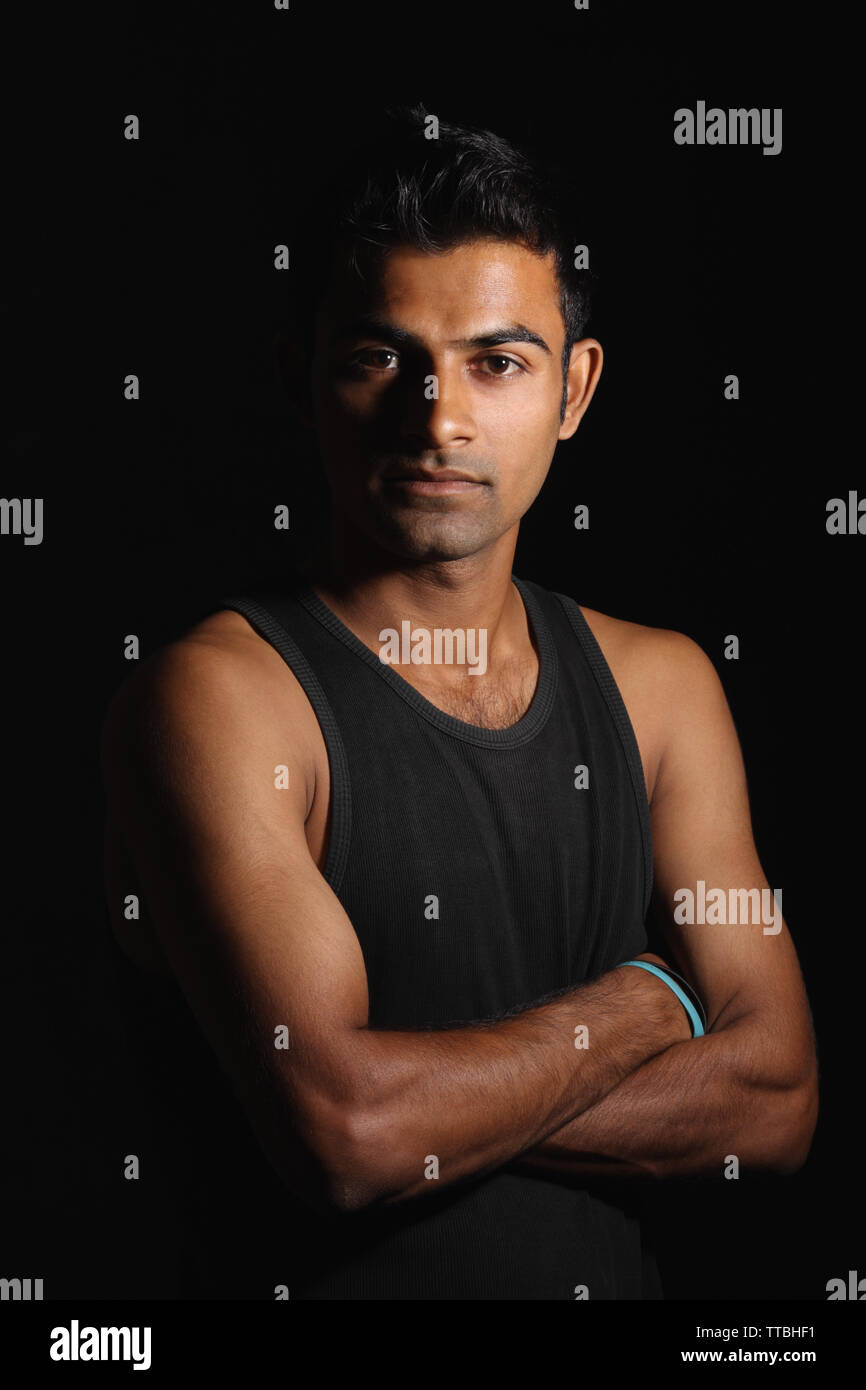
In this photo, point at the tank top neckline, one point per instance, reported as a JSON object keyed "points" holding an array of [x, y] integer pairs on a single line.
{"points": [[526, 727]]}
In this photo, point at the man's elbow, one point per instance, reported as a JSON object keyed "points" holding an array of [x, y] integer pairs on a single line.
{"points": [[794, 1134], [356, 1166]]}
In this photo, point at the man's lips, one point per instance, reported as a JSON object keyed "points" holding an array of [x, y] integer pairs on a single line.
{"points": [[445, 480]]}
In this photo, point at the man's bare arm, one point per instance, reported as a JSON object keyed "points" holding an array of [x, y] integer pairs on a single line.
{"points": [[684, 1112], [750, 1086], [191, 753]]}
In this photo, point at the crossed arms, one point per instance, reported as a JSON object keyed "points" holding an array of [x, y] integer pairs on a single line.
{"points": [[750, 1086], [348, 1114]]}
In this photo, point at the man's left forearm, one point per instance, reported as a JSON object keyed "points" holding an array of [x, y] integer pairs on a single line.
{"points": [[685, 1111]]}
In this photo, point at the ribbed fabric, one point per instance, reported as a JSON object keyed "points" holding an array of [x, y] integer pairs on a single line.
{"points": [[539, 885]]}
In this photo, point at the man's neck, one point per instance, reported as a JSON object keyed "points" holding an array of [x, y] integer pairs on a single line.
{"points": [[473, 594]]}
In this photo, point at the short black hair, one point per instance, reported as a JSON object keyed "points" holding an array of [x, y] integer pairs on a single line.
{"points": [[397, 187]]}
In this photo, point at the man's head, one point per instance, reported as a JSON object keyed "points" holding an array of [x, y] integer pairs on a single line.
{"points": [[439, 323]]}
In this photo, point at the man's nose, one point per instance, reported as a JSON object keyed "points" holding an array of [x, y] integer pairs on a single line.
{"points": [[437, 409]]}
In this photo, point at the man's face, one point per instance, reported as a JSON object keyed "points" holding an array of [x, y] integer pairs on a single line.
{"points": [[440, 363]]}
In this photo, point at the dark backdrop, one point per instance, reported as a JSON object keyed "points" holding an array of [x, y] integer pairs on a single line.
{"points": [[707, 516]]}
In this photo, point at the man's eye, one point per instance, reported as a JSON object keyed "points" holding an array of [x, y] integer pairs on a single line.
{"points": [[362, 358], [506, 361]]}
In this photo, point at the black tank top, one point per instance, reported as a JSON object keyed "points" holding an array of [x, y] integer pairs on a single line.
{"points": [[479, 878]]}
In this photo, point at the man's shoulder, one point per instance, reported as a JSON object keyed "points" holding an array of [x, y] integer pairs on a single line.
{"points": [[219, 676], [659, 649], [217, 650], [665, 680], [662, 653]]}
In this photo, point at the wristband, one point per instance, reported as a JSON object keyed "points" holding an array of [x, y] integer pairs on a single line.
{"points": [[689, 1000], [692, 993]]}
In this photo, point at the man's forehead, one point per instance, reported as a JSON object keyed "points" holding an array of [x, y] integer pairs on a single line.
{"points": [[474, 282]]}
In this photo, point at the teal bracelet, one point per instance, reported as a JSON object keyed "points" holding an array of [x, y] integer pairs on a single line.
{"points": [[693, 1015]]}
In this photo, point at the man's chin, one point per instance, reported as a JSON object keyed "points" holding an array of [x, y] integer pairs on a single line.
{"points": [[429, 553], [423, 543]]}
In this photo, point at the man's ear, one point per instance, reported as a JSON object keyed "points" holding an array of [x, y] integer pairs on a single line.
{"points": [[292, 363], [584, 370]]}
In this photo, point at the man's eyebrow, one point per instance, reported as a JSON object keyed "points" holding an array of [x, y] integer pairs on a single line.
{"points": [[511, 333], [371, 326]]}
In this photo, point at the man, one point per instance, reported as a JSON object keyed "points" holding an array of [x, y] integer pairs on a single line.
{"points": [[397, 892]]}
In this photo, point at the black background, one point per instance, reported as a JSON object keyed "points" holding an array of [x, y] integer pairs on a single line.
{"points": [[707, 515]]}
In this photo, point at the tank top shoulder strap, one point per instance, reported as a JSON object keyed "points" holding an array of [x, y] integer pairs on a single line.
{"points": [[619, 714]]}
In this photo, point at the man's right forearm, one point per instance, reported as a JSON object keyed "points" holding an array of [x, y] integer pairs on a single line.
{"points": [[475, 1097]]}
